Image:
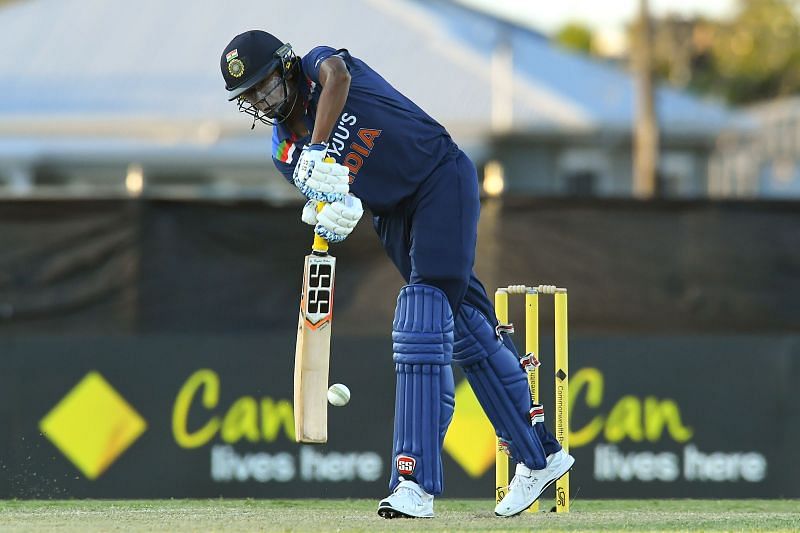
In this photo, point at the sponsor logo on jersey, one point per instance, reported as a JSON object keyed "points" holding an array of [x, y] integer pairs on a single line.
{"points": [[354, 151]]}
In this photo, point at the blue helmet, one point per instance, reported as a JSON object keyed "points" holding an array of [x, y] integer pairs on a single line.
{"points": [[248, 60]]}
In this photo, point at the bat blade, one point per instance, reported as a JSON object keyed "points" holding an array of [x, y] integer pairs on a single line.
{"points": [[312, 352]]}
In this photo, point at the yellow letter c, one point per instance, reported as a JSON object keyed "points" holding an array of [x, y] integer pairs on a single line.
{"points": [[593, 380], [180, 411]]}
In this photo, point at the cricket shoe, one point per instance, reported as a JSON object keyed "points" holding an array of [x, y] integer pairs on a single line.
{"points": [[408, 500], [528, 485]]}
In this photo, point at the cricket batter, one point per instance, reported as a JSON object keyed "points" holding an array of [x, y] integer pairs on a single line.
{"points": [[423, 194]]}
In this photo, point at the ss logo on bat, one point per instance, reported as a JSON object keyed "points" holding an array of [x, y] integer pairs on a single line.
{"points": [[319, 289]]}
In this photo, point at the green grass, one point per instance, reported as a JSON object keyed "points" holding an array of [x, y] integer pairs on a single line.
{"points": [[360, 515]]}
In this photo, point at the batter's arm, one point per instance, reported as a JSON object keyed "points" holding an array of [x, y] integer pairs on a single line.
{"points": [[335, 81]]}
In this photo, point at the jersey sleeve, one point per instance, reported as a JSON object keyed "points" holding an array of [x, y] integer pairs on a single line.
{"points": [[314, 59], [282, 156], [286, 170]]}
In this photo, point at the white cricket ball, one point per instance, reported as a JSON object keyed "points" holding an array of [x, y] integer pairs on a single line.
{"points": [[338, 394]]}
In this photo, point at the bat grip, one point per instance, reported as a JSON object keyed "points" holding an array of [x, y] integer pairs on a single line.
{"points": [[320, 244]]}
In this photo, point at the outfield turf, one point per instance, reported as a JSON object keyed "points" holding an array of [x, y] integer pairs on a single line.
{"points": [[360, 515]]}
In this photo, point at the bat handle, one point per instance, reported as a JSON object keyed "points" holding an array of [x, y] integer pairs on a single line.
{"points": [[320, 244]]}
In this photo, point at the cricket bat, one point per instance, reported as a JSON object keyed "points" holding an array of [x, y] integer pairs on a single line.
{"points": [[313, 349]]}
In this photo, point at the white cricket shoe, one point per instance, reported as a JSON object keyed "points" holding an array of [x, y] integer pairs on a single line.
{"points": [[528, 485], [408, 500]]}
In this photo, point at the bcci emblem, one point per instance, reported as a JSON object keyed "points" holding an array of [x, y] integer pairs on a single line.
{"points": [[236, 67]]}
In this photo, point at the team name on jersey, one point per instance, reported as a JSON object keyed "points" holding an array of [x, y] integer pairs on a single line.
{"points": [[358, 149]]}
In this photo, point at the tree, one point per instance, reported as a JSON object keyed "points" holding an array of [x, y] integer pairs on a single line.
{"points": [[757, 55], [575, 36]]}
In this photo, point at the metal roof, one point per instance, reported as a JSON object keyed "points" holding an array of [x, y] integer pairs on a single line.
{"points": [[92, 86], [601, 91], [155, 60]]}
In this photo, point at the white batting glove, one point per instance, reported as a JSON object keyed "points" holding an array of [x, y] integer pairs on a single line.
{"points": [[329, 182], [337, 219], [309, 215], [318, 180], [309, 157]]}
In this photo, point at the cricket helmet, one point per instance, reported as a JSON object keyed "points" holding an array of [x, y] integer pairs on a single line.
{"points": [[250, 57]]}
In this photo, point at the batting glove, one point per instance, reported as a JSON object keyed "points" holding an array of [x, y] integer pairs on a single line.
{"points": [[309, 215], [336, 220], [318, 180]]}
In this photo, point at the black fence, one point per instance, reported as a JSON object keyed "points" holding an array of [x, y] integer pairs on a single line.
{"points": [[147, 349]]}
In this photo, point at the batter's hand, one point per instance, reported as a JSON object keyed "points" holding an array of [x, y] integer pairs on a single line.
{"points": [[318, 180], [336, 220], [309, 215]]}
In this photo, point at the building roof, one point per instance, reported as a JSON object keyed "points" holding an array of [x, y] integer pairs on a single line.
{"points": [[153, 59], [113, 81], [599, 91]]}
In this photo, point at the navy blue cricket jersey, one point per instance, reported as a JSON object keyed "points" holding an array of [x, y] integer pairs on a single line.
{"points": [[389, 144]]}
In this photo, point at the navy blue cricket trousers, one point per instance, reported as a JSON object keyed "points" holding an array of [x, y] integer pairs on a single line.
{"points": [[431, 237]]}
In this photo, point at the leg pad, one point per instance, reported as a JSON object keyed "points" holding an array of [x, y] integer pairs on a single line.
{"points": [[425, 395], [500, 384]]}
